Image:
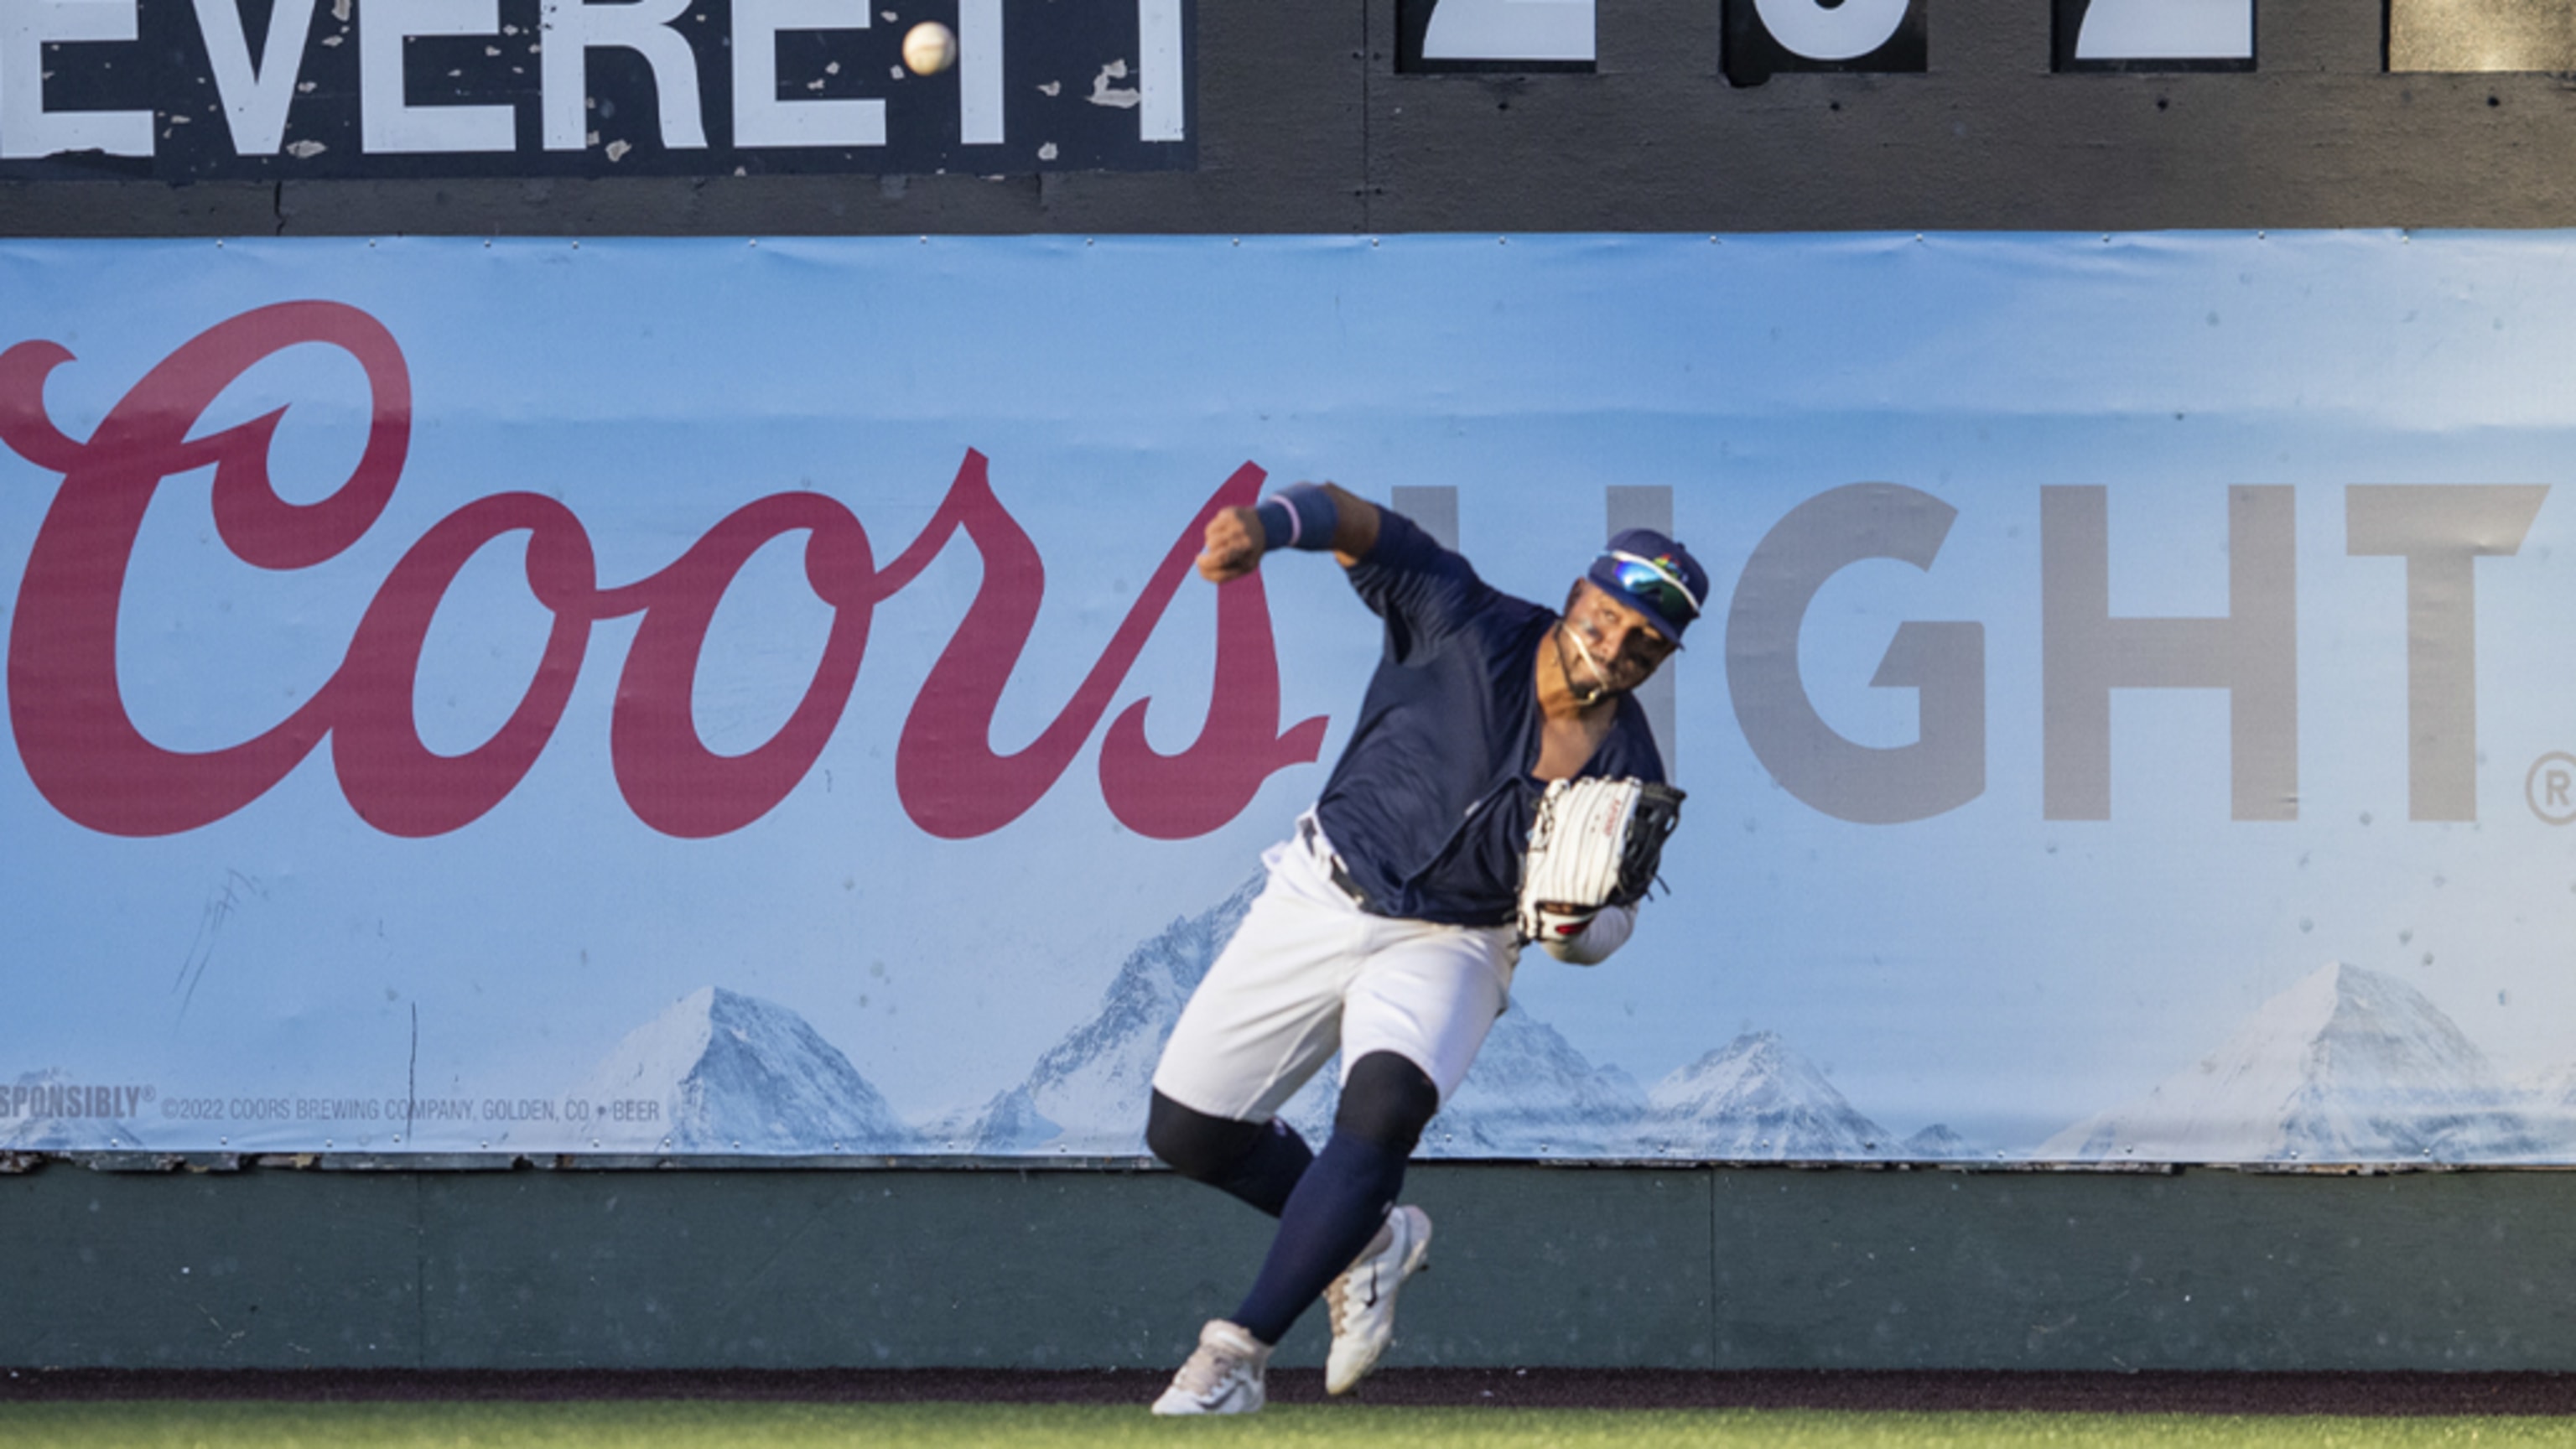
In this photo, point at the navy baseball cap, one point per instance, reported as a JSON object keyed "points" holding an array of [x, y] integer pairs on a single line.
{"points": [[1653, 575]]}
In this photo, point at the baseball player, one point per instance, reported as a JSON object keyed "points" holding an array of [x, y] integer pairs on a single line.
{"points": [[1393, 917]]}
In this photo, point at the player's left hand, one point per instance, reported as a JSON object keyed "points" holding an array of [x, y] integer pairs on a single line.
{"points": [[1232, 547], [1592, 843], [1557, 921]]}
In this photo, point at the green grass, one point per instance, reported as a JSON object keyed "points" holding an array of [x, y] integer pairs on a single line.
{"points": [[704, 1425]]}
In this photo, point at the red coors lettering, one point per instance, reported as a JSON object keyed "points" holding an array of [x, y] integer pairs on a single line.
{"points": [[84, 753]]}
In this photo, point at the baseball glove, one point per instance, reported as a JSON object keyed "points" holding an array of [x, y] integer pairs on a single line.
{"points": [[1594, 843]]}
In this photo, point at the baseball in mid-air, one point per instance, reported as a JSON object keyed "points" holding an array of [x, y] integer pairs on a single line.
{"points": [[929, 48]]}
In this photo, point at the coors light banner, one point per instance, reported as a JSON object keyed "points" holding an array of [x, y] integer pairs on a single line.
{"points": [[751, 698]]}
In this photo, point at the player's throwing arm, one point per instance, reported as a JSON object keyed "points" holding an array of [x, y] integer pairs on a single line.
{"points": [[1314, 517]]}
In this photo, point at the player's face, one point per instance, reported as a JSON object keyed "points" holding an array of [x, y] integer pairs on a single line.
{"points": [[1617, 637]]}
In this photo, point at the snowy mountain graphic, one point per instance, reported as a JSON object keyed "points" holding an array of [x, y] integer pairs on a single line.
{"points": [[1086, 1096], [1531, 1094], [2345, 1066], [2548, 1101], [732, 1073], [38, 1128], [1755, 1100], [1936, 1143]]}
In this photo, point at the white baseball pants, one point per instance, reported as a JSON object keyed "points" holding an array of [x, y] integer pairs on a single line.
{"points": [[1309, 973]]}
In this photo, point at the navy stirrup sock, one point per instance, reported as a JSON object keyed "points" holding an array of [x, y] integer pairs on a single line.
{"points": [[1337, 1207]]}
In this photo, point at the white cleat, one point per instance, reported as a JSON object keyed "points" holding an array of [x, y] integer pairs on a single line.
{"points": [[1223, 1377], [1362, 1300]]}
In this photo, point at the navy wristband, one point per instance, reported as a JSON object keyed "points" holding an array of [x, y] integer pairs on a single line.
{"points": [[1299, 516]]}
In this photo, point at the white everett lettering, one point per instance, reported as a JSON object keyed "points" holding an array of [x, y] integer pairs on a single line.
{"points": [[255, 90]]}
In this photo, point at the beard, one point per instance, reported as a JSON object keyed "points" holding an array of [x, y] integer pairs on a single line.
{"points": [[1596, 681]]}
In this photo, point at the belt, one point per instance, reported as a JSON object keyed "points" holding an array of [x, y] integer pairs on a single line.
{"points": [[1341, 875]]}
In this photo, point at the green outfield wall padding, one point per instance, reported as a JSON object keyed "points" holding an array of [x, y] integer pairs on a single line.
{"points": [[1681, 1267]]}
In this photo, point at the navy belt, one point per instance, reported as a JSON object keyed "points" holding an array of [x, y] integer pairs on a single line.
{"points": [[1333, 862]]}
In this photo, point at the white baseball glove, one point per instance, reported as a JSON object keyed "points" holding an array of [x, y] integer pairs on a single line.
{"points": [[1594, 843]]}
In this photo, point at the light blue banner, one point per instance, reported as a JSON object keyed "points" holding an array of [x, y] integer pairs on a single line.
{"points": [[718, 697]]}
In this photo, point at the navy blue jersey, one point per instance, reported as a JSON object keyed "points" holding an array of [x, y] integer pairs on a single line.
{"points": [[1430, 804]]}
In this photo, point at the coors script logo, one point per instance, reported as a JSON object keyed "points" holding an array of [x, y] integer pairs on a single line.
{"points": [[84, 753]]}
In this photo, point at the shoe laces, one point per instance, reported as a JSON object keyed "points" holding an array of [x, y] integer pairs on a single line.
{"points": [[1346, 1303], [1357, 1287], [1208, 1368]]}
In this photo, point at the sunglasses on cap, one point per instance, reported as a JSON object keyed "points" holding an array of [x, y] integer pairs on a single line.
{"points": [[1657, 580]]}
